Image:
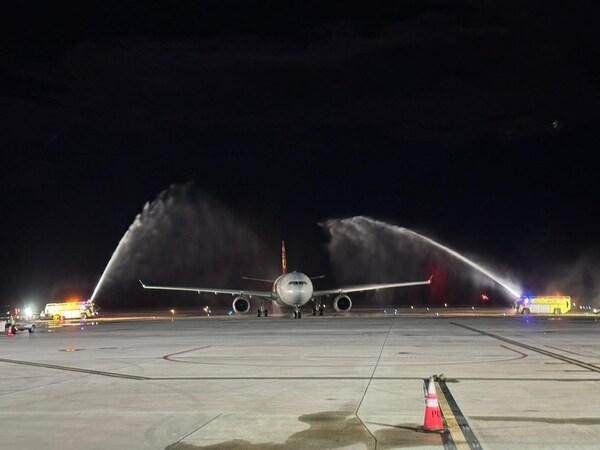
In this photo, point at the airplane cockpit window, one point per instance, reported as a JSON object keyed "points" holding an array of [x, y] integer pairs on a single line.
{"points": [[296, 283]]}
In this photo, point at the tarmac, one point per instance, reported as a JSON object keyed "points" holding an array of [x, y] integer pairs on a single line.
{"points": [[335, 382]]}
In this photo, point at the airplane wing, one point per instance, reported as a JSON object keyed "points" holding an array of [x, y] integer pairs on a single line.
{"points": [[369, 287], [200, 290]]}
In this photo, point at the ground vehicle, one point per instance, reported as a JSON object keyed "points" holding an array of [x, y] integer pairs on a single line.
{"points": [[72, 309], [19, 325], [549, 304]]}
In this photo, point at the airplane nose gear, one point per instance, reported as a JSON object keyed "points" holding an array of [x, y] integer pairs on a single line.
{"points": [[297, 314]]}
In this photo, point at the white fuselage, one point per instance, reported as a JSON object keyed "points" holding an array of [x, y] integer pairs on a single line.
{"points": [[293, 289]]}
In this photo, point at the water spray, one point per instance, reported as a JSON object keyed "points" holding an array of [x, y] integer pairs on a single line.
{"points": [[359, 223], [122, 243], [182, 234]]}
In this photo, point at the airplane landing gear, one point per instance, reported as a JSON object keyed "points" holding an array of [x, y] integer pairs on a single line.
{"points": [[318, 308], [262, 311], [297, 314]]}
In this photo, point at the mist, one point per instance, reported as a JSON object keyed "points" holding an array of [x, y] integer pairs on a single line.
{"points": [[183, 237], [579, 279]]}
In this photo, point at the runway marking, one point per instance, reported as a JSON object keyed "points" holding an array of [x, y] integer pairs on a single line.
{"points": [[228, 362], [523, 355], [369, 384], [567, 351], [461, 434], [358, 378], [74, 369], [194, 430], [573, 361], [168, 357], [271, 378]]}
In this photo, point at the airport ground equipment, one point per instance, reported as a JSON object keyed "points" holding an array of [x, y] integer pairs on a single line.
{"points": [[433, 415], [549, 304]]}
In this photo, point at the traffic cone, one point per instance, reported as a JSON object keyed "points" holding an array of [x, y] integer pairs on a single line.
{"points": [[9, 330], [433, 415]]}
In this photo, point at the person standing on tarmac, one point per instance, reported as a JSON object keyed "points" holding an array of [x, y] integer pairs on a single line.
{"points": [[11, 323]]}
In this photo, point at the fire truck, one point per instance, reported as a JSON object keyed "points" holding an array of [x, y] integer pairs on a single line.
{"points": [[549, 304], [71, 309]]}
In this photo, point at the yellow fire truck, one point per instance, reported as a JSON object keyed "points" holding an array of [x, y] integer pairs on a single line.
{"points": [[549, 304], [71, 309]]}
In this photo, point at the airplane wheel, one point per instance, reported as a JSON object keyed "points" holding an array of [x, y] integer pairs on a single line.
{"points": [[299, 315], [266, 313], [321, 312], [258, 313], [314, 312]]}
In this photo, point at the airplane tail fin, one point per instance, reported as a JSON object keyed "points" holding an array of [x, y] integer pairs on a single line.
{"points": [[283, 258]]}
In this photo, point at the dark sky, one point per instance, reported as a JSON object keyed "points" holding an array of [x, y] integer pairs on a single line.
{"points": [[474, 121]]}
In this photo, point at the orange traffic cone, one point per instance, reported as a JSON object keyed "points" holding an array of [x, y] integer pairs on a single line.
{"points": [[433, 415]]}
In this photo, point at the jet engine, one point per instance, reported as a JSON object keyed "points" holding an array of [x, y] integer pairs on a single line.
{"points": [[342, 303], [241, 305]]}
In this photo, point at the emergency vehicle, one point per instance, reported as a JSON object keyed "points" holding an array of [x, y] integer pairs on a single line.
{"points": [[72, 309], [549, 304]]}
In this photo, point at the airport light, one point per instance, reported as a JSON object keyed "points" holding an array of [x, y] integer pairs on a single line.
{"points": [[28, 312], [445, 305]]}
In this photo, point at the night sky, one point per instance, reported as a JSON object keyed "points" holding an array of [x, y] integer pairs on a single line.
{"points": [[475, 122]]}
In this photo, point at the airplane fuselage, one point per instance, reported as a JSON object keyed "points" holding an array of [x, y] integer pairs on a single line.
{"points": [[293, 289]]}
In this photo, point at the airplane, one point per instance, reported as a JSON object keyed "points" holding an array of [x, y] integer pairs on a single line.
{"points": [[292, 290]]}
